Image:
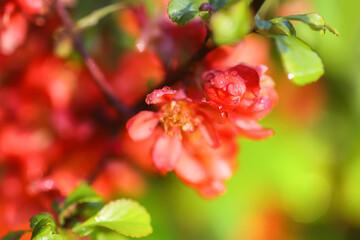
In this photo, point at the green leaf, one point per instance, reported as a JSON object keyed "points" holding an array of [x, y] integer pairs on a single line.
{"points": [[183, 11], [232, 24], [67, 234], [45, 229], [83, 231], [314, 20], [82, 194], [36, 219], [93, 18], [123, 216], [301, 63], [104, 234], [286, 27], [198, 2], [15, 235]]}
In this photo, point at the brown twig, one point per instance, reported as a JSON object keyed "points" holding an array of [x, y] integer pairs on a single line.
{"points": [[94, 70], [176, 75], [256, 5], [99, 78], [100, 166]]}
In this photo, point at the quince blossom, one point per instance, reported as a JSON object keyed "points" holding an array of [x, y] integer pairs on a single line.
{"points": [[196, 137], [245, 94], [184, 129]]}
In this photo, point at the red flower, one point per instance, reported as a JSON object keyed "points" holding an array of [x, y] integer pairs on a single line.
{"points": [[13, 29], [256, 104], [228, 87], [245, 94], [235, 99], [40, 7], [33, 7], [184, 128]]}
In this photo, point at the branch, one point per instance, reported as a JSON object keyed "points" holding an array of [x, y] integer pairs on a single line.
{"points": [[256, 5], [94, 70], [100, 166], [174, 76], [178, 74]]}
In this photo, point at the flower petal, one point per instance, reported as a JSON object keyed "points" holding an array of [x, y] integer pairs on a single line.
{"points": [[261, 69], [221, 168], [142, 125], [159, 95], [256, 111], [14, 27], [212, 112], [209, 134], [253, 130], [250, 76], [166, 152], [212, 189], [189, 169]]}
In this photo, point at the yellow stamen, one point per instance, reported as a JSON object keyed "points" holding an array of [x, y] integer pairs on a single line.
{"points": [[177, 116]]}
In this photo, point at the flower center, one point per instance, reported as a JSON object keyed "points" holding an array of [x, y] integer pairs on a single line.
{"points": [[176, 116]]}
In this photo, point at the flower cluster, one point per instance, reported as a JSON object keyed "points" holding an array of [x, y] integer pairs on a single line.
{"points": [[15, 19], [195, 131]]}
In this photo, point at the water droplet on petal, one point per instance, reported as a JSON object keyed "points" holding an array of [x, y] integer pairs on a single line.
{"points": [[49, 184], [140, 46], [290, 76]]}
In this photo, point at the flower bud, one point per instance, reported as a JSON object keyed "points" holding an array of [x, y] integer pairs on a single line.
{"points": [[225, 88], [207, 7]]}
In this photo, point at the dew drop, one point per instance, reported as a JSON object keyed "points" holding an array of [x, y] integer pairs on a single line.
{"points": [[224, 114], [49, 184], [140, 46], [290, 76]]}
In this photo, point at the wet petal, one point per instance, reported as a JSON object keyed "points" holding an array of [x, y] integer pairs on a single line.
{"points": [[256, 111], [250, 76], [142, 125], [166, 152], [160, 95], [225, 88], [212, 111]]}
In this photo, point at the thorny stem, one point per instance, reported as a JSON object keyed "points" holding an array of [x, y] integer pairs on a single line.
{"points": [[94, 70]]}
